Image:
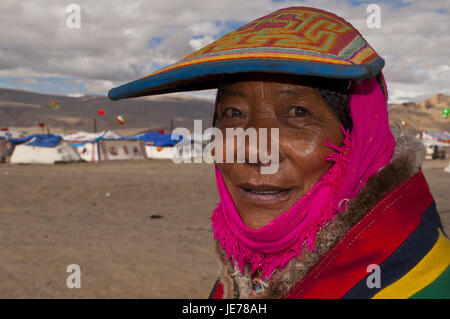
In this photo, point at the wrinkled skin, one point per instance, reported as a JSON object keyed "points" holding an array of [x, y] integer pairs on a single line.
{"points": [[305, 123]]}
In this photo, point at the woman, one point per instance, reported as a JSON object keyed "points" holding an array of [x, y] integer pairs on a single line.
{"points": [[348, 213]]}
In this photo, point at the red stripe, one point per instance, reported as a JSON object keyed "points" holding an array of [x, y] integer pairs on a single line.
{"points": [[370, 241], [218, 294], [373, 56]]}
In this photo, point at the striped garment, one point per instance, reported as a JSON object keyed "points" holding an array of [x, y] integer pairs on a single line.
{"points": [[403, 235]]}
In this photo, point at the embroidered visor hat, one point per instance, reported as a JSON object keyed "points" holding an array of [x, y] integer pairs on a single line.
{"points": [[296, 40]]}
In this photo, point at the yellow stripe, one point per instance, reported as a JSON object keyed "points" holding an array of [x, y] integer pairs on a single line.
{"points": [[424, 273], [361, 56]]}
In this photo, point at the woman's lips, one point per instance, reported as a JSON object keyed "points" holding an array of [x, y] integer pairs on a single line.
{"points": [[264, 193]]}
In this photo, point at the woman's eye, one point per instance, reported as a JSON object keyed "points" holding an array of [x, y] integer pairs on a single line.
{"points": [[298, 111], [232, 112]]}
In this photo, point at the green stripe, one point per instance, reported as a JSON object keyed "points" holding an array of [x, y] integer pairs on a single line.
{"points": [[438, 289], [353, 47]]}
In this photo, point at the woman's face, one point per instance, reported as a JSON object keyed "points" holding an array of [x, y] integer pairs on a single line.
{"points": [[305, 122]]}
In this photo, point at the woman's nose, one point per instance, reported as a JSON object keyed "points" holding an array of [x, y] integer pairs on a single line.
{"points": [[259, 150]]}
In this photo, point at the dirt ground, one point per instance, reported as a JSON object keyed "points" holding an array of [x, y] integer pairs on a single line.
{"points": [[99, 216]]}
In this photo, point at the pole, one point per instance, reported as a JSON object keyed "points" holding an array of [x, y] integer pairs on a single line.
{"points": [[95, 125]]}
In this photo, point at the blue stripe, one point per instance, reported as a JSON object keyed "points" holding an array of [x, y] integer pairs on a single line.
{"points": [[206, 75], [410, 252], [213, 290]]}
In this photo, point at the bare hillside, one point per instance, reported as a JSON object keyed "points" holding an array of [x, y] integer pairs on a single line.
{"points": [[425, 115], [28, 109]]}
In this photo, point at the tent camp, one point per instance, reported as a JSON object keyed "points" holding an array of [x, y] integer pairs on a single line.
{"points": [[188, 150], [106, 145], [42, 149], [12, 134], [447, 168], [436, 144], [88, 151], [159, 152], [436, 136], [120, 149], [103, 150], [157, 145], [82, 136], [162, 146]]}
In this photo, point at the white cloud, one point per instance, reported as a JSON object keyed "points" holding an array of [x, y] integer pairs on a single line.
{"points": [[198, 43], [96, 86], [112, 46]]}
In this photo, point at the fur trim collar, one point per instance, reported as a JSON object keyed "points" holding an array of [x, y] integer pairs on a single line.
{"points": [[408, 157]]}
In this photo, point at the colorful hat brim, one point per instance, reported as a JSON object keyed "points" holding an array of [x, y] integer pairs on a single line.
{"points": [[207, 75], [296, 41]]}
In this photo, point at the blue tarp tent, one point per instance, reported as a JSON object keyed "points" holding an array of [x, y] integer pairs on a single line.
{"points": [[20, 140], [43, 140], [158, 139]]}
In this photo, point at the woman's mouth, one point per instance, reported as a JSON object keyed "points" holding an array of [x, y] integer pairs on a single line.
{"points": [[264, 193]]}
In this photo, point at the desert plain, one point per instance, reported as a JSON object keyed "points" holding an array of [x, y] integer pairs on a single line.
{"points": [[137, 229]]}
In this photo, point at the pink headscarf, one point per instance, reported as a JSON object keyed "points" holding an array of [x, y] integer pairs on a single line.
{"points": [[365, 150]]}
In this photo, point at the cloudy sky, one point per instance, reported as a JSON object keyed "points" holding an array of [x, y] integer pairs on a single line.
{"points": [[119, 41]]}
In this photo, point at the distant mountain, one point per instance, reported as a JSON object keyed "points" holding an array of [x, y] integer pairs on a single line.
{"points": [[423, 116], [27, 109]]}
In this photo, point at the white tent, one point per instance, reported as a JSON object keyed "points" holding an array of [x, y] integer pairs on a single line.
{"points": [[187, 154], [106, 145], [159, 152], [82, 136], [434, 149], [447, 168], [121, 149], [434, 143], [88, 151], [31, 154], [436, 136], [12, 134], [114, 149]]}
